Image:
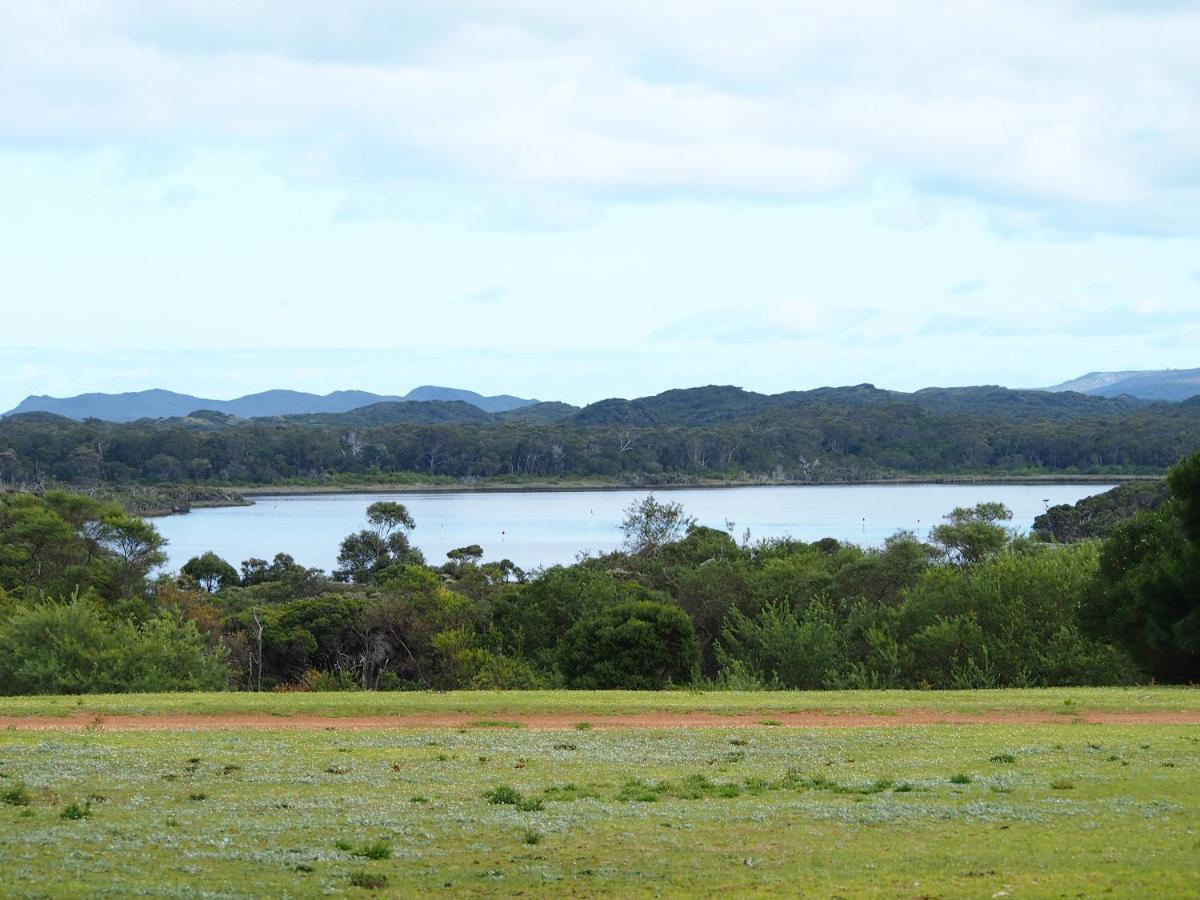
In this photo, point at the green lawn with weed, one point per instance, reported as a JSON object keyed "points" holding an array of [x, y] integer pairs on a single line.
{"points": [[493, 706], [980, 811]]}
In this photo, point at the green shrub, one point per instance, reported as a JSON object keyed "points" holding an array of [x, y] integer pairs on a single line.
{"points": [[635, 645], [17, 795], [371, 881], [75, 812], [378, 850]]}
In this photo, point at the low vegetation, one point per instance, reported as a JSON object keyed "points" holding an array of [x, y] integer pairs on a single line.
{"points": [[971, 605], [1009, 809]]}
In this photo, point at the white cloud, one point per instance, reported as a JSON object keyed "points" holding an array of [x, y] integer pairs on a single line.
{"points": [[1075, 116]]}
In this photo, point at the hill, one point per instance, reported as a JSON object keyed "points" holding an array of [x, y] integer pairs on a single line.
{"points": [[855, 433], [160, 404], [1162, 384]]}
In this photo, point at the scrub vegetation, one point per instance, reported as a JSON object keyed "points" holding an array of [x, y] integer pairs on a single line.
{"points": [[970, 605]]}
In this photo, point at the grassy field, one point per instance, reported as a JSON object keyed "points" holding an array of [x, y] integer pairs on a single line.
{"points": [[920, 811], [611, 703]]}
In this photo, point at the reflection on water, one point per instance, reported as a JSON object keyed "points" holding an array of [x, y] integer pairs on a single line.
{"points": [[534, 529]]}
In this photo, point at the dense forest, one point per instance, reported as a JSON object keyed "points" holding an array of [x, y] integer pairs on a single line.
{"points": [[970, 605], [830, 434]]}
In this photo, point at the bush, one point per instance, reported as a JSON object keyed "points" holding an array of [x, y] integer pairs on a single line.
{"points": [[636, 645], [73, 648]]}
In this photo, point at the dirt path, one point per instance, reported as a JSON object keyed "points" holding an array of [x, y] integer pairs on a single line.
{"points": [[554, 721]]}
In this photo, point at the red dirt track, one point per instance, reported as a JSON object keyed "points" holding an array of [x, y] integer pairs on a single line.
{"points": [[557, 721]]}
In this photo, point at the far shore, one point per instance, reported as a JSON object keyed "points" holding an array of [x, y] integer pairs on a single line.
{"points": [[558, 486]]}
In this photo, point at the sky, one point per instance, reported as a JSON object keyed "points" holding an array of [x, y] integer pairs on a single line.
{"points": [[574, 201]]}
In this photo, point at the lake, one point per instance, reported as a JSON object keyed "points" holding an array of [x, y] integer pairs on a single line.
{"points": [[544, 528]]}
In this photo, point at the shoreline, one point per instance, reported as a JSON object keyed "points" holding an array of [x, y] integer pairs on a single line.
{"points": [[558, 487]]}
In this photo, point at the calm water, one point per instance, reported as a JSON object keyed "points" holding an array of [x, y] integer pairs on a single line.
{"points": [[534, 529]]}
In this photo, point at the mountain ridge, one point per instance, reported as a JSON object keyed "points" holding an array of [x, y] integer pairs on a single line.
{"points": [[156, 403], [1150, 384]]}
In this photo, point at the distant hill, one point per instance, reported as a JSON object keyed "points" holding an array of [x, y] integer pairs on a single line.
{"points": [[160, 404], [1162, 384], [717, 405]]}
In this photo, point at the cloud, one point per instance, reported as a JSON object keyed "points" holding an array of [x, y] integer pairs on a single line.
{"points": [[1148, 320], [1065, 115], [966, 288], [488, 296], [787, 322]]}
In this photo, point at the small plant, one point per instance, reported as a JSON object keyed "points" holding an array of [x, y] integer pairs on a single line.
{"points": [[74, 812], [370, 881], [495, 723], [1002, 758], [583, 726], [565, 747], [960, 779], [17, 795], [304, 867], [1062, 784], [344, 846], [198, 796], [503, 795], [903, 788], [531, 836], [229, 770], [771, 722], [418, 799], [378, 850], [337, 770], [738, 742]]}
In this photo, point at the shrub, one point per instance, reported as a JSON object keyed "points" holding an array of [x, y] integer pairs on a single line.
{"points": [[370, 881], [17, 795], [75, 812], [509, 796], [378, 850], [635, 645]]}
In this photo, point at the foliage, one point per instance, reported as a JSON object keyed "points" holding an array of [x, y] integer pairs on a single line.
{"points": [[649, 525], [639, 645], [73, 648], [210, 571], [1099, 515], [1146, 596], [712, 432]]}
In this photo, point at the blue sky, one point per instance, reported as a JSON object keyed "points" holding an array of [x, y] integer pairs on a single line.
{"points": [[575, 201]]}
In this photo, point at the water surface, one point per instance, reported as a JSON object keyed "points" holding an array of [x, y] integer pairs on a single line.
{"points": [[543, 528]]}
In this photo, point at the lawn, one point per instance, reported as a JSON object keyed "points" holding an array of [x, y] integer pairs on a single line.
{"points": [[923, 811]]}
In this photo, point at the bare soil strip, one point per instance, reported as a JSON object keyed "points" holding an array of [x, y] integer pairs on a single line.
{"points": [[83, 720]]}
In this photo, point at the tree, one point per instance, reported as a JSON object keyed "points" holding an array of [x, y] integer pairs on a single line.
{"points": [[973, 533], [137, 546], [210, 571], [638, 645], [649, 526], [466, 555], [388, 516], [1147, 597], [364, 556]]}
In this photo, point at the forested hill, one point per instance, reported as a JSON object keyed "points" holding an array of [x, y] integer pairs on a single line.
{"points": [[829, 434]]}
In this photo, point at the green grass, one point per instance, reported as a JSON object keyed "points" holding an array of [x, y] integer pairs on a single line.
{"points": [[759, 809], [491, 706]]}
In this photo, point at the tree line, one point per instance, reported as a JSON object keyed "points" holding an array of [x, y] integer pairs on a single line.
{"points": [[970, 605], [704, 433]]}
